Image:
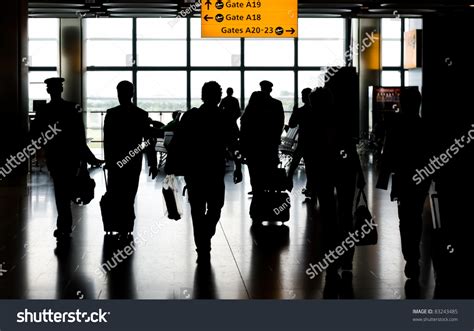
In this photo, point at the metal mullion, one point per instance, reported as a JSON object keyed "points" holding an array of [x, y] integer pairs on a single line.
{"points": [[266, 69], [242, 73], [402, 54], [43, 68], [295, 69], [182, 68], [188, 62], [134, 59], [111, 68], [348, 39]]}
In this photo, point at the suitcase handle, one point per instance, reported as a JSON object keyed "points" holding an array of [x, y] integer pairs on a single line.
{"points": [[105, 177]]}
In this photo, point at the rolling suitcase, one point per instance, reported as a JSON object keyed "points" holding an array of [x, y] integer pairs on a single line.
{"points": [[270, 206], [114, 217]]}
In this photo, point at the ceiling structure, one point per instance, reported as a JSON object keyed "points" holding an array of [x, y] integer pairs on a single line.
{"points": [[167, 8]]}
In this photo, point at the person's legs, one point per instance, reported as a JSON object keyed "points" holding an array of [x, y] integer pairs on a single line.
{"points": [[345, 205], [410, 209], [327, 210], [197, 201], [310, 165], [215, 202], [295, 162], [253, 167], [123, 186], [62, 182]]}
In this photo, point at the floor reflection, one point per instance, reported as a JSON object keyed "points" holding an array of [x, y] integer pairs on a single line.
{"points": [[265, 265], [204, 283], [117, 267], [71, 281], [268, 262]]}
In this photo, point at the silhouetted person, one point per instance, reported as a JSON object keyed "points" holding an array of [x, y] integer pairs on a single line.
{"points": [[332, 154], [60, 123], [302, 118], [127, 134], [198, 151], [404, 152], [173, 124], [230, 105], [261, 128]]}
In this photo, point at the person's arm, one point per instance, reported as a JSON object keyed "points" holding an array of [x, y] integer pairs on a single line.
{"points": [[150, 152], [86, 153], [107, 145], [237, 110], [294, 118], [387, 160], [233, 146], [280, 124], [358, 166]]}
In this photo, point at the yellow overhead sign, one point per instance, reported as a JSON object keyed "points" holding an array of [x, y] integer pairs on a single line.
{"points": [[249, 19]]}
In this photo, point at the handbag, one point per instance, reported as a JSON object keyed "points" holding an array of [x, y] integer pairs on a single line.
{"points": [[171, 198], [363, 220], [83, 187]]}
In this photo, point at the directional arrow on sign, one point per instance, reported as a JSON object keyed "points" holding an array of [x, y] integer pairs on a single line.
{"points": [[207, 17], [292, 30], [208, 4]]}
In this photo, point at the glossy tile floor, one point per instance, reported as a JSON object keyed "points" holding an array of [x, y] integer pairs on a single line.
{"points": [[266, 264]]}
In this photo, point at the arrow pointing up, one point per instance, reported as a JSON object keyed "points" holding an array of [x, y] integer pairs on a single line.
{"points": [[292, 30], [207, 18], [208, 4]]}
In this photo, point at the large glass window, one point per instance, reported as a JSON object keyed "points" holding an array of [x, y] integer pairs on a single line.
{"points": [[321, 42], [101, 94], [283, 85], [109, 42], [162, 68], [37, 87], [391, 51], [213, 52], [270, 52], [43, 46], [224, 78], [43, 56], [311, 79], [160, 43], [161, 92], [391, 78]]}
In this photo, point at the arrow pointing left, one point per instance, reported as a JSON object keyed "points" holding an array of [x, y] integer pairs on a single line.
{"points": [[207, 17]]}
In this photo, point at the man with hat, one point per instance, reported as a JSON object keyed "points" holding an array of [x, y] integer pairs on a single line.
{"points": [[65, 151], [261, 128]]}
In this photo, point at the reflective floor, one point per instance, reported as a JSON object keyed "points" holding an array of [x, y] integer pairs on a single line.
{"points": [[269, 263]]}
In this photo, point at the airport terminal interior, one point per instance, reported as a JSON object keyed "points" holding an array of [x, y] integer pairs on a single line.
{"points": [[379, 48]]}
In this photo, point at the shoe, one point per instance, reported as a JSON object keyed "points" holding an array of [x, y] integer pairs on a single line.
{"points": [[60, 235], [412, 270]]}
